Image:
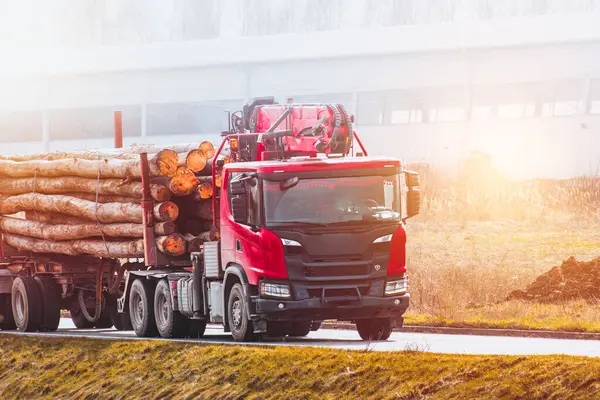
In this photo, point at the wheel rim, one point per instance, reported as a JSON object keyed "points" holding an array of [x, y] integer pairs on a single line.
{"points": [[162, 310], [137, 314], [20, 306], [236, 314]]}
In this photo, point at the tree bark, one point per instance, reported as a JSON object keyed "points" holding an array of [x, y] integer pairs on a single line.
{"points": [[104, 213], [172, 245], [69, 184], [163, 164], [45, 231], [101, 198], [98, 248], [54, 218]]}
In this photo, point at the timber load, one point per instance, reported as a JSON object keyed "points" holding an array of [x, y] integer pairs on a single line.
{"points": [[90, 202]]}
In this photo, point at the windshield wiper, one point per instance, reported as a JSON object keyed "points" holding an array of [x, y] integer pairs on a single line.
{"points": [[300, 223]]}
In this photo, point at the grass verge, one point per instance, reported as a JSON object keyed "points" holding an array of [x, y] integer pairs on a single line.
{"points": [[575, 316], [94, 369]]}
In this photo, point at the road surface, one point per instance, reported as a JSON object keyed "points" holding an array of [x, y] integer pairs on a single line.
{"points": [[345, 339]]}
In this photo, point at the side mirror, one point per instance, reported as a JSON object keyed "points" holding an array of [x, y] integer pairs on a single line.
{"points": [[239, 209], [413, 202], [413, 194]]}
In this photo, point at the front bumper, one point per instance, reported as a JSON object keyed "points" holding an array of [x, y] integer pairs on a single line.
{"points": [[318, 309]]}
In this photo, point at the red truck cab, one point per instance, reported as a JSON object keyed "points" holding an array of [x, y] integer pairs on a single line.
{"points": [[313, 239]]}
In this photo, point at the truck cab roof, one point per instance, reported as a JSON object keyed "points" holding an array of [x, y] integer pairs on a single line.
{"points": [[313, 164]]}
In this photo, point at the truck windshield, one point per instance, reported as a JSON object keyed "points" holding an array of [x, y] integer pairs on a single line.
{"points": [[327, 201]]}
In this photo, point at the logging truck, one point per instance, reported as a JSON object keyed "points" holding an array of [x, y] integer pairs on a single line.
{"points": [[303, 227]]}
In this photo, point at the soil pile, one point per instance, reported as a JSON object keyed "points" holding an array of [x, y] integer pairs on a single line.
{"points": [[572, 280]]}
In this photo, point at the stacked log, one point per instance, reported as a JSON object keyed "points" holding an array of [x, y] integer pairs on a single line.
{"points": [[89, 202]]}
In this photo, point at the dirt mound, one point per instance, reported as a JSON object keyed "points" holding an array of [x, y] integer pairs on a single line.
{"points": [[572, 280]]}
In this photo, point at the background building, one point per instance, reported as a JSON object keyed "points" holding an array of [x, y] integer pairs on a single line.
{"points": [[428, 80]]}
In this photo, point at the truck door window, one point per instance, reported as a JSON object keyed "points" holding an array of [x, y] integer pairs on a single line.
{"points": [[253, 199]]}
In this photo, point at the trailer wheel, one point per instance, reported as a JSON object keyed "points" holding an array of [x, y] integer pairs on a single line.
{"points": [[79, 320], [50, 303], [6, 314], [170, 323], [241, 327], [121, 321], [374, 329], [26, 304], [141, 308]]}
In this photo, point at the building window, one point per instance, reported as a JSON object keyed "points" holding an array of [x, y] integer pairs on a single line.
{"points": [[516, 111], [412, 116], [446, 114], [189, 118], [93, 123], [20, 126], [562, 108]]}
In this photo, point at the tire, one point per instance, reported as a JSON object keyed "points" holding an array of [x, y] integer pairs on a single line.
{"points": [[104, 322], [276, 329], [197, 327], [6, 313], [120, 321], [299, 329], [51, 299], [240, 325], [79, 319], [374, 329], [170, 323], [26, 304], [141, 308]]}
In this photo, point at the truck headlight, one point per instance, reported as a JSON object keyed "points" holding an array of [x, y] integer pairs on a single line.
{"points": [[396, 287], [281, 290], [384, 239], [288, 242]]}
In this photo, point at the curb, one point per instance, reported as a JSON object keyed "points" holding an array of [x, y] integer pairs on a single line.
{"points": [[479, 331]]}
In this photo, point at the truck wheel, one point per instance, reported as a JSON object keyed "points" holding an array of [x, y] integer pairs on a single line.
{"points": [[79, 320], [374, 329], [141, 308], [237, 315], [50, 303], [299, 329], [104, 322], [120, 321], [6, 314], [26, 304], [170, 323], [197, 327], [276, 329]]}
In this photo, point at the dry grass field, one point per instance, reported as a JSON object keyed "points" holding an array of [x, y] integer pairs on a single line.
{"points": [[481, 236], [49, 368]]}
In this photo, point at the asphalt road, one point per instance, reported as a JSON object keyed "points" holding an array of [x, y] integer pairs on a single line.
{"points": [[346, 339]]}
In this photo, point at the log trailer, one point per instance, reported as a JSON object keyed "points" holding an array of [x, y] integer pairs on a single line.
{"points": [[306, 227]]}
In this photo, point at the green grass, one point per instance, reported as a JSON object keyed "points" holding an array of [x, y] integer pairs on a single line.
{"points": [[93, 369]]}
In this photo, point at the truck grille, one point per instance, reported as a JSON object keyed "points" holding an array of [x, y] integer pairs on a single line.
{"points": [[344, 292], [337, 270]]}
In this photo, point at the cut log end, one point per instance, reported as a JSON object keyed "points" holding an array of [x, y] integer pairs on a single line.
{"points": [[167, 211], [160, 193], [196, 160], [167, 162], [183, 184], [203, 192], [208, 149], [172, 245]]}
